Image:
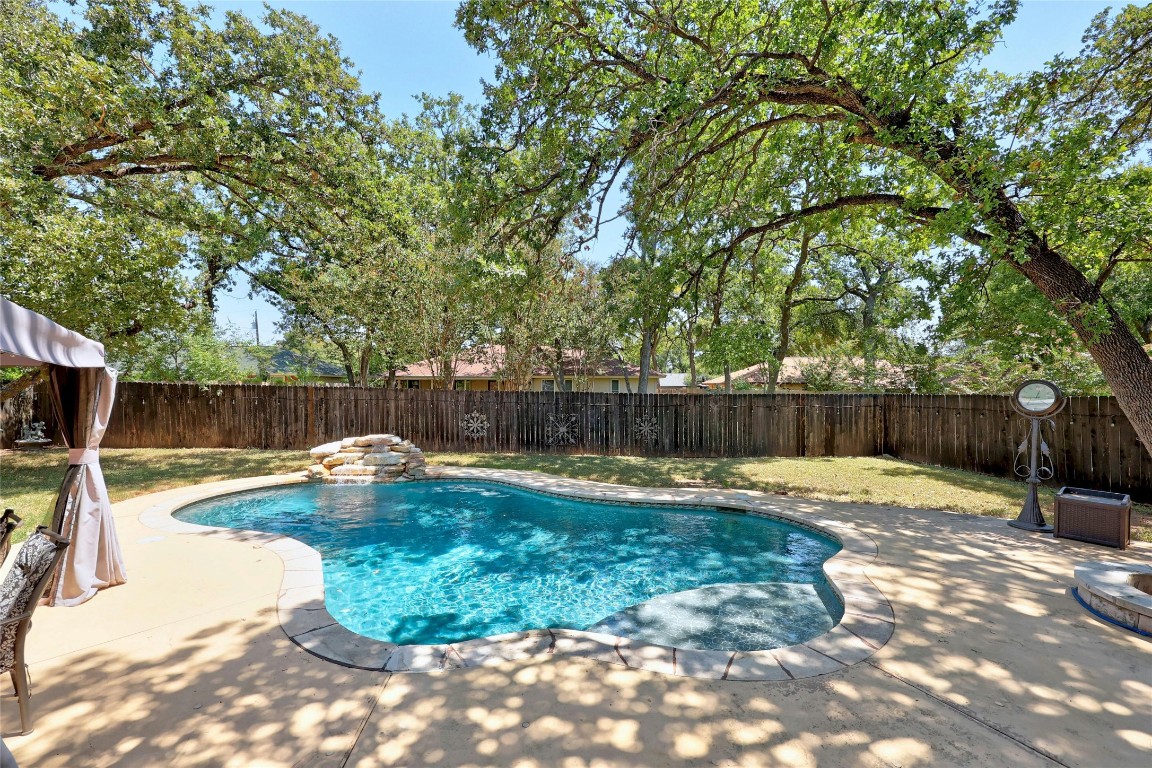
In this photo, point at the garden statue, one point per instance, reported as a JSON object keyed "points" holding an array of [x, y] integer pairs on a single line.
{"points": [[32, 436]]}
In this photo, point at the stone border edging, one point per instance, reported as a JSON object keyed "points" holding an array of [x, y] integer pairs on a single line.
{"points": [[867, 624], [1107, 588]]}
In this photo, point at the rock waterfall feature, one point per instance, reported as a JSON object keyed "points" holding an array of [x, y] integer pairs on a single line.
{"points": [[368, 458]]}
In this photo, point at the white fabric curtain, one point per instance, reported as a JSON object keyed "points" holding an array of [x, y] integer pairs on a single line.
{"points": [[83, 512], [82, 392], [28, 338]]}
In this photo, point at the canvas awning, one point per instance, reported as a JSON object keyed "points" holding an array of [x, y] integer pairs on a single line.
{"points": [[30, 339], [82, 391]]}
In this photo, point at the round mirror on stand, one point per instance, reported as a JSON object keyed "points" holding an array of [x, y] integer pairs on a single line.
{"points": [[1036, 399]]}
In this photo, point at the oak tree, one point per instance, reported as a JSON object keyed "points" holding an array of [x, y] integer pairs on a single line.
{"points": [[1042, 174]]}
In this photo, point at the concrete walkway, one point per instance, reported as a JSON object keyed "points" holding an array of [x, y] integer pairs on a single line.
{"points": [[992, 663]]}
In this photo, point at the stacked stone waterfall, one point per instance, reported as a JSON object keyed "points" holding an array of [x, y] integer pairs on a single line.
{"points": [[370, 458]]}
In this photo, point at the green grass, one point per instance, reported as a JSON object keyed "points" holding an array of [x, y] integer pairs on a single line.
{"points": [[29, 480], [871, 480]]}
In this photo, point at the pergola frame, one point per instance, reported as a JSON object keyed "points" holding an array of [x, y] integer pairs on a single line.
{"points": [[82, 390]]}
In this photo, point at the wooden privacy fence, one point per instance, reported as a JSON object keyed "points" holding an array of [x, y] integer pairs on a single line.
{"points": [[1092, 442], [257, 416]]}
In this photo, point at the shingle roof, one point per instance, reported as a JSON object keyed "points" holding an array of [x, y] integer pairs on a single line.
{"points": [[487, 362], [792, 372], [280, 360]]}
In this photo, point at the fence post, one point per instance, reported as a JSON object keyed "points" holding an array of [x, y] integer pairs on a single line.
{"points": [[1096, 444]]}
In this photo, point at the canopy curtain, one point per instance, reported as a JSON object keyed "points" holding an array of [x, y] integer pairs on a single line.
{"points": [[82, 399]]}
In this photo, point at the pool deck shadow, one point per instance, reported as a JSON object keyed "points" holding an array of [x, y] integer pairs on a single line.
{"points": [[991, 662]]}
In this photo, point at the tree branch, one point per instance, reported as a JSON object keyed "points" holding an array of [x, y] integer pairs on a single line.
{"points": [[13, 388], [69, 153], [1113, 260]]}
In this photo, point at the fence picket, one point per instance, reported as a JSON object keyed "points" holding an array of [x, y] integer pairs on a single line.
{"points": [[1093, 443]]}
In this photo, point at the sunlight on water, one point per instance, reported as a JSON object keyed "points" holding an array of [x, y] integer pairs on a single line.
{"points": [[435, 562]]}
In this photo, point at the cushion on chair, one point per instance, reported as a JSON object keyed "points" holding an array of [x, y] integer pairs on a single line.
{"points": [[34, 559]]}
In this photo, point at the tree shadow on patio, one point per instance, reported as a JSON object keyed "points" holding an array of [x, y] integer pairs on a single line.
{"points": [[992, 663], [230, 694]]}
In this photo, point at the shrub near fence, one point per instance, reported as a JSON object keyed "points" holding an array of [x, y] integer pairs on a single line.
{"points": [[1092, 442]]}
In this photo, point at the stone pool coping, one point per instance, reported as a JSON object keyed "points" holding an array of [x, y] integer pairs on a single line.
{"points": [[866, 627], [1106, 587]]}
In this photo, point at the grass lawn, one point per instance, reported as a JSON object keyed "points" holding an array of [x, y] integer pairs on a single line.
{"points": [[871, 480], [29, 480]]}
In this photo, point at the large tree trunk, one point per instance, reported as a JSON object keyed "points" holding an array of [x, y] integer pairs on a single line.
{"points": [[365, 366], [1116, 349], [447, 373], [645, 360], [346, 361], [1126, 366], [786, 307]]}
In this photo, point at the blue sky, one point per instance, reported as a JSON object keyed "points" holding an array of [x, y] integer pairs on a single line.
{"points": [[407, 47]]}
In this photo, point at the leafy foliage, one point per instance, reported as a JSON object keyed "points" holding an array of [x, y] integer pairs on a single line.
{"points": [[769, 115], [142, 140], [198, 355]]}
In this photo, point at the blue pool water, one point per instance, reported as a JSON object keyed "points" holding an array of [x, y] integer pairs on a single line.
{"points": [[437, 562]]}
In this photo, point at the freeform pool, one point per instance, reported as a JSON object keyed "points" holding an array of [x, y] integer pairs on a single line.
{"points": [[441, 562]]}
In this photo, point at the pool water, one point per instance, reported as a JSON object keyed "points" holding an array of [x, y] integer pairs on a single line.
{"points": [[439, 562]]}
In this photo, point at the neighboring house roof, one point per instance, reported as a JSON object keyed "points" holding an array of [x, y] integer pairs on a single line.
{"points": [[757, 375], [287, 361], [675, 380], [792, 372], [479, 363], [487, 362]]}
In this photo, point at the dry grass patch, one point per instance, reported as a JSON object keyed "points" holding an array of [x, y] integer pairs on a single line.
{"points": [[30, 480], [871, 480]]}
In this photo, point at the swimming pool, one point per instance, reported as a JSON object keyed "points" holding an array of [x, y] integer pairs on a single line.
{"points": [[440, 562]]}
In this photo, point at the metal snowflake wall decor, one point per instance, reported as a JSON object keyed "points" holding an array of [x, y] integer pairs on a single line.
{"points": [[646, 428], [561, 429], [474, 425]]}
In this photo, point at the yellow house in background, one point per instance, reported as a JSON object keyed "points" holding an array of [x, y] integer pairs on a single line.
{"points": [[481, 369]]}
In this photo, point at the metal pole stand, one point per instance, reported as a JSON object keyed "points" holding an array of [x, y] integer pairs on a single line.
{"points": [[1031, 517]]}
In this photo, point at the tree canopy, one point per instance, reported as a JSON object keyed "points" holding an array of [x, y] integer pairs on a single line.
{"points": [[139, 142], [815, 178], [817, 109]]}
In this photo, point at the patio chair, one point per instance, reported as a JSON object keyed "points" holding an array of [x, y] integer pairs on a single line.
{"points": [[19, 594], [8, 524]]}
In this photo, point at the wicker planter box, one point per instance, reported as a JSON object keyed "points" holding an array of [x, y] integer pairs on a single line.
{"points": [[1098, 517]]}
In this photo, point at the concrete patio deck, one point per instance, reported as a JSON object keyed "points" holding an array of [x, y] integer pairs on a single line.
{"points": [[992, 663]]}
